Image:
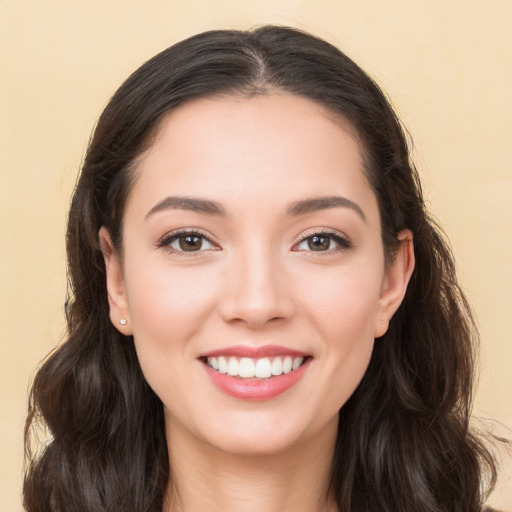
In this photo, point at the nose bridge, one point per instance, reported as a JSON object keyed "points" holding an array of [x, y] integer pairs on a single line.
{"points": [[256, 290]]}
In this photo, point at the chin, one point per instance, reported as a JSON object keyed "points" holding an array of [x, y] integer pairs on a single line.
{"points": [[263, 435], [254, 445]]}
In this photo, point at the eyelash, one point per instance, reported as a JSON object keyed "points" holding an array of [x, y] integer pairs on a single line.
{"points": [[166, 241], [343, 242]]}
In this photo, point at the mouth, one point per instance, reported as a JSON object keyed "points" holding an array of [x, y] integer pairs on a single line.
{"points": [[261, 368], [260, 373]]}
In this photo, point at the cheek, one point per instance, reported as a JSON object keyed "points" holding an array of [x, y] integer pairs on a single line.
{"points": [[167, 310], [167, 300], [343, 310], [344, 303]]}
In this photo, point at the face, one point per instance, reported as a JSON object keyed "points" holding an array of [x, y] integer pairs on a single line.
{"points": [[253, 276]]}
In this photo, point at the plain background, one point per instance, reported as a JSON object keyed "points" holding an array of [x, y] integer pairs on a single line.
{"points": [[447, 67]]}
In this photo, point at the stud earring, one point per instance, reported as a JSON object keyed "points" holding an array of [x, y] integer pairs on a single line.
{"points": [[122, 321]]}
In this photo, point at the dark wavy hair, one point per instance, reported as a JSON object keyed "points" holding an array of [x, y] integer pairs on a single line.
{"points": [[405, 441]]}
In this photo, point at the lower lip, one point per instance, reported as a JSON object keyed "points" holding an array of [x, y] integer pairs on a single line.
{"points": [[249, 389]]}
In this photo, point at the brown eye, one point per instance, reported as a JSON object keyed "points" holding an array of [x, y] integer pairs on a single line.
{"points": [[187, 242], [190, 242], [319, 243], [323, 242]]}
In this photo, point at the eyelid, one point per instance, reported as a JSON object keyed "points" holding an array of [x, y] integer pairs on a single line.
{"points": [[343, 241], [165, 241]]}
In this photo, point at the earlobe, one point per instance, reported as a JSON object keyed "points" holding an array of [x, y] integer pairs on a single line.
{"points": [[397, 276], [119, 310]]}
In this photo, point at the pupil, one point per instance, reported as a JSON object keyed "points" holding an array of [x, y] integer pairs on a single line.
{"points": [[319, 243], [190, 243]]}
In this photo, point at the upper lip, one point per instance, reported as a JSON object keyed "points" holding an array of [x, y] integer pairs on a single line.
{"points": [[254, 352]]}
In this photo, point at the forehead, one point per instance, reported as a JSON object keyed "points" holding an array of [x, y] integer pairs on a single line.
{"points": [[277, 146]]}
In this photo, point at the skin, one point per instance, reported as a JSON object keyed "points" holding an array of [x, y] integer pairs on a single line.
{"points": [[256, 281]]}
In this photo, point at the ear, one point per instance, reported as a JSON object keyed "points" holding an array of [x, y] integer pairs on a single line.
{"points": [[117, 299], [394, 285]]}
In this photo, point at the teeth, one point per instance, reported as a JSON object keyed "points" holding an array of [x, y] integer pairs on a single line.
{"points": [[248, 368], [263, 368], [233, 366], [287, 364], [223, 364], [277, 366], [297, 362]]}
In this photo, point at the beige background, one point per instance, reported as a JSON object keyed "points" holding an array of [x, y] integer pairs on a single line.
{"points": [[446, 65]]}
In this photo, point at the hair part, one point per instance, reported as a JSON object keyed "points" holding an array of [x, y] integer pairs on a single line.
{"points": [[404, 440]]}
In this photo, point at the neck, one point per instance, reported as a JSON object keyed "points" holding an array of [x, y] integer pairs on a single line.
{"points": [[205, 478]]}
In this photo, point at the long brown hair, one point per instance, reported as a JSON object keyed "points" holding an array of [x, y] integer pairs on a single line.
{"points": [[404, 440]]}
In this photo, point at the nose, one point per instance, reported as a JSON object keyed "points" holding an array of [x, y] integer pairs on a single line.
{"points": [[258, 290]]}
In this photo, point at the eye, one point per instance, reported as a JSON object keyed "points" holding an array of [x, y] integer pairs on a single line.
{"points": [[323, 242], [186, 241]]}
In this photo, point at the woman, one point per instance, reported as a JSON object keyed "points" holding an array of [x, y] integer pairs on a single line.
{"points": [[262, 315]]}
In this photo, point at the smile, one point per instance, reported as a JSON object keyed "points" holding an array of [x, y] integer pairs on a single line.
{"points": [[260, 368], [253, 373]]}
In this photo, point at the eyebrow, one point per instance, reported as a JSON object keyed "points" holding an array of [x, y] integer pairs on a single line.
{"points": [[297, 208], [188, 203], [323, 203]]}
